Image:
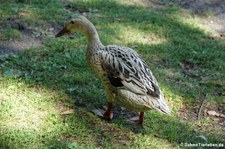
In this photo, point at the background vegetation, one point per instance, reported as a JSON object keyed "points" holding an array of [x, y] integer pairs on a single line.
{"points": [[42, 77]]}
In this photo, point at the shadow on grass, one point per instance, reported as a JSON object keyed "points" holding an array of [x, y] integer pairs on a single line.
{"points": [[58, 66]]}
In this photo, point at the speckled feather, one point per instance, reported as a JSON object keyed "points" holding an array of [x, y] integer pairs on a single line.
{"points": [[125, 64]]}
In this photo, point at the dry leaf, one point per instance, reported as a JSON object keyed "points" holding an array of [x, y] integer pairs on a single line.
{"points": [[70, 111], [214, 113]]}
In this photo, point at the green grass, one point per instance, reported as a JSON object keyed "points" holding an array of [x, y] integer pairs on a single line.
{"points": [[37, 84], [10, 34]]}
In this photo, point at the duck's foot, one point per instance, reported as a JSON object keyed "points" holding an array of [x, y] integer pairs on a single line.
{"points": [[134, 121], [106, 114], [138, 120], [103, 114]]}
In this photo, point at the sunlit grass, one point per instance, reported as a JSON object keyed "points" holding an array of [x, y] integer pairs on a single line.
{"points": [[38, 84], [126, 35], [27, 112], [148, 141], [131, 3]]}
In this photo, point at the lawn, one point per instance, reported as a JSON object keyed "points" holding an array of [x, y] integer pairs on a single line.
{"points": [[42, 77]]}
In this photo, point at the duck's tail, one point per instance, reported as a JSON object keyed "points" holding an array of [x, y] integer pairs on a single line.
{"points": [[160, 105]]}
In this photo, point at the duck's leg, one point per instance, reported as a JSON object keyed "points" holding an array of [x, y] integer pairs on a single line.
{"points": [[141, 118], [137, 120], [106, 114]]}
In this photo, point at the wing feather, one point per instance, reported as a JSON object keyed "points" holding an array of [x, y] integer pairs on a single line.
{"points": [[124, 64]]}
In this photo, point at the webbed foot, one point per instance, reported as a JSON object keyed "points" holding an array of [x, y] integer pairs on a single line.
{"points": [[103, 114], [138, 120], [106, 114]]}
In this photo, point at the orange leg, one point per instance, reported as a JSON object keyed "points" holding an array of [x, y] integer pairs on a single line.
{"points": [[141, 118], [108, 114]]}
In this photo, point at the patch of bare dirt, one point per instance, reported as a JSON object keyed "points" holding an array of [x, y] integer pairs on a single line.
{"points": [[188, 68], [214, 113], [29, 36], [208, 110], [76, 9], [25, 42], [185, 114], [211, 12]]}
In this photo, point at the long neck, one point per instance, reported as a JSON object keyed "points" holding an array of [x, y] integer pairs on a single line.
{"points": [[92, 36]]}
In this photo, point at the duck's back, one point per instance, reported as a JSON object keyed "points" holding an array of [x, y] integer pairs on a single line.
{"points": [[129, 75]]}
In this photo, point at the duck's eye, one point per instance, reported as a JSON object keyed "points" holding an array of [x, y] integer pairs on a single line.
{"points": [[72, 22]]}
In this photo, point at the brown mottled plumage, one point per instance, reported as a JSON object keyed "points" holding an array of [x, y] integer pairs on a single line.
{"points": [[126, 78]]}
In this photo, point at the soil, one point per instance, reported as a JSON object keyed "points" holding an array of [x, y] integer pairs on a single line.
{"points": [[25, 42], [29, 38], [211, 12]]}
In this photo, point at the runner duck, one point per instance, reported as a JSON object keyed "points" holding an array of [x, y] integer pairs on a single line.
{"points": [[125, 76]]}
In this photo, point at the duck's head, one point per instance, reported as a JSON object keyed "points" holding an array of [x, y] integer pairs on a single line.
{"points": [[79, 24]]}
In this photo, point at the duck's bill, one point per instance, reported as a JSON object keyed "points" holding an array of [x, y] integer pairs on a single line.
{"points": [[62, 32]]}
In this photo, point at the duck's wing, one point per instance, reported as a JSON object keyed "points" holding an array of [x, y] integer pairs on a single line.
{"points": [[124, 68]]}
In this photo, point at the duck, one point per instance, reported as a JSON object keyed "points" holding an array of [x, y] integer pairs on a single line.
{"points": [[126, 78]]}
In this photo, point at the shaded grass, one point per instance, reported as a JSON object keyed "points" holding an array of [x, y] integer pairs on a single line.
{"points": [[39, 83], [10, 34], [36, 15]]}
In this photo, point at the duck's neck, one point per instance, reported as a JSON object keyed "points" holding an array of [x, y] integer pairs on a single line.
{"points": [[93, 38]]}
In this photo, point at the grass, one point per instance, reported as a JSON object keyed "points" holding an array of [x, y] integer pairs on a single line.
{"points": [[39, 83], [10, 34]]}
